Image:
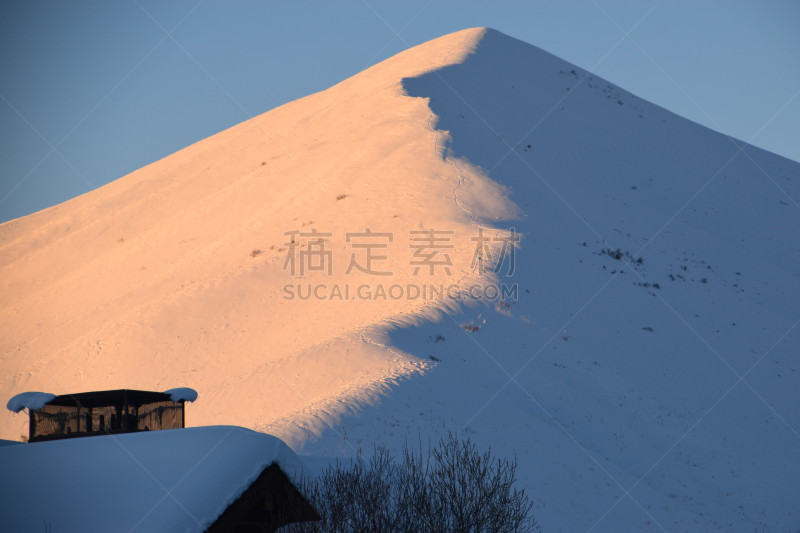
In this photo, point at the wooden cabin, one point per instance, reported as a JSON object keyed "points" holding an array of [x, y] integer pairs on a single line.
{"points": [[88, 414]]}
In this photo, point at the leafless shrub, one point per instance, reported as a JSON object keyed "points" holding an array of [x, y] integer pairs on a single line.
{"points": [[451, 488]]}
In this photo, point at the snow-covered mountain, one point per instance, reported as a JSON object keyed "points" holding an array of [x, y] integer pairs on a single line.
{"points": [[642, 372]]}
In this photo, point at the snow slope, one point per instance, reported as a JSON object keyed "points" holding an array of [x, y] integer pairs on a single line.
{"points": [[653, 395], [621, 400], [174, 273]]}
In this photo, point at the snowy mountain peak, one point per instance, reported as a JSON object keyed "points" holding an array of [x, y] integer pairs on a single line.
{"points": [[471, 235]]}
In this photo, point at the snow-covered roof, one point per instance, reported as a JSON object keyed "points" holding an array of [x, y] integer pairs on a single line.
{"points": [[37, 400], [29, 400], [170, 480], [182, 393]]}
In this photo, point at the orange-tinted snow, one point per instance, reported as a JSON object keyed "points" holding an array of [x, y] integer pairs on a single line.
{"points": [[174, 275]]}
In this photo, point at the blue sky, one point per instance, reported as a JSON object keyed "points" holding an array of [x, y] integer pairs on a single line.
{"points": [[92, 90]]}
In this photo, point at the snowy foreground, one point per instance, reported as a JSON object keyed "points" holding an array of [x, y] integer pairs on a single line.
{"points": [[643, 375], [171, 480]]}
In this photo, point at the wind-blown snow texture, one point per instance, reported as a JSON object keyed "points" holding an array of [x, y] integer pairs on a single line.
{"points": [[651, 395], [617, 383]]}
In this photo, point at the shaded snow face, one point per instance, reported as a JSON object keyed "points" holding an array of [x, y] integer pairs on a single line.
{"points": [[648, 360]]}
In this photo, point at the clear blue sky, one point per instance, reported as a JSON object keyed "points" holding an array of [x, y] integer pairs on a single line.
{"points": [[104, 84]]}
